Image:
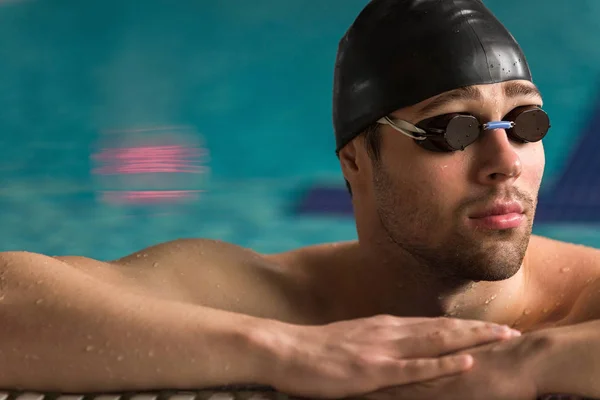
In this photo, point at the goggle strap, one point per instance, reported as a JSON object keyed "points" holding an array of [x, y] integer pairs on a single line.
{"points": [[404, 128]]}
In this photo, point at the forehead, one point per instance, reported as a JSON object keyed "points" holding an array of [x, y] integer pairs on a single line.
{"points": [[492, 94]]}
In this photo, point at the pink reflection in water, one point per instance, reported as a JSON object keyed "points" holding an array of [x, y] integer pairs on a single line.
{"points": [[149, 196], [150, 166], [150, 159]]}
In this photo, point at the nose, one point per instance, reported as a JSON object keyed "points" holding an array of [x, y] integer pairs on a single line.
{"points": [[500, 162]]}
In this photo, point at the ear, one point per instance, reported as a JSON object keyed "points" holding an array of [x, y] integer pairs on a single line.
{"points": [[348, 160], [354, 161]]}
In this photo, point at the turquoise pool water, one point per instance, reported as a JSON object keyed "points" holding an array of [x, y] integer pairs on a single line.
{"points": [[247, 84]]}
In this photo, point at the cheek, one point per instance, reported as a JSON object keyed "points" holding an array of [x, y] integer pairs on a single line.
{"points": [[533, 164], [429, 184], [435, 186], [448, 184]]}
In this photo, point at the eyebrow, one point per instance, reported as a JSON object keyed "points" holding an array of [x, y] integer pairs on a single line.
{"points": [[469, 93], [516, 89]]}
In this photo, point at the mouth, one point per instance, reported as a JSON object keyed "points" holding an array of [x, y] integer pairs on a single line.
{"points": [[499, 216]]}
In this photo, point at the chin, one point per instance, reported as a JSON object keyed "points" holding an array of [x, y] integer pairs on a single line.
{"points": [[474, 258], [495, 272], [494, 264]]}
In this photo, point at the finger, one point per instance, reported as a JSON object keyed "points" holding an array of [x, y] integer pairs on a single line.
{"points": [[405, 321], [441, 342], [407, 371], [390, 320]]}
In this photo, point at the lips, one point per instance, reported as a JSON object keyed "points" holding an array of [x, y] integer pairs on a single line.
{"points": [[499, 208], [498, 216]]}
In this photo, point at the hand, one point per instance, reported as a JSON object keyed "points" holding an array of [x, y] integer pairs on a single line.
{"points": [[360, 356], [501, 371]]}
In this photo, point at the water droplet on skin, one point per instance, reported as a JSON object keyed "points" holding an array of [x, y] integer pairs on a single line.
{"points": [[89, 348], [39, 301], [138, 255], [155, 265], [488, 301], [565, 269], [120, 358], [144, 255], [545, 310], [588, 281], [526, 312], [150, 353]]}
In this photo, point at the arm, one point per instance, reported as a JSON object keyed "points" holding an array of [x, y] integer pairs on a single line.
{"points": [[572, 363], [558, 360], [66, 331]]}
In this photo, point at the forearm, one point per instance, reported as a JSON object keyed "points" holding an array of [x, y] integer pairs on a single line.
{"points": [[62, 330], [572, 363]]}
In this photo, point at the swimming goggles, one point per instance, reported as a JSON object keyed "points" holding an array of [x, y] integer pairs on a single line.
{"points": [[452, 132]]}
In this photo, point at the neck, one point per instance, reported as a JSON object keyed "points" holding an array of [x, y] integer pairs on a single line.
{"points": [[397, 284]]}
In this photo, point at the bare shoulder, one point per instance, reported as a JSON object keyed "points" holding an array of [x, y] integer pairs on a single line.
{"points": [[318, 256], [562, 266], [222, 275], [557, 256], [563, 273], [284, 286]]}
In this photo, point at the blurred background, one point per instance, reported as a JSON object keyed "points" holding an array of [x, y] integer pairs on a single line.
{"points": [[126, 123]]}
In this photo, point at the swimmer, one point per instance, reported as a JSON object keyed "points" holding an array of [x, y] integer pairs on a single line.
{"points": [[439, 131]]}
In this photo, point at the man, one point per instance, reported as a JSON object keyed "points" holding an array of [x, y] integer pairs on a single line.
{"points": [[439, 129]]}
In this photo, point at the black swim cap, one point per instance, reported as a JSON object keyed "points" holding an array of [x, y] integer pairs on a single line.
{"points": [[400, 52]]}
